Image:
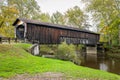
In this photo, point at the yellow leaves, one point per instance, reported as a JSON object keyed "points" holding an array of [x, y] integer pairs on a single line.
{"points": [[104, 30], [104, 34], [7, 17], [8, 13], [13, 10], [7, 31]]}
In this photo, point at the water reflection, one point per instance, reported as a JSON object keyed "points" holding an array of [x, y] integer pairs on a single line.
{"points": [[103, 66], [110, 65]]}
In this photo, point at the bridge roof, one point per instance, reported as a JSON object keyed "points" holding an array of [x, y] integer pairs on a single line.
{"points": [[52, 25]]}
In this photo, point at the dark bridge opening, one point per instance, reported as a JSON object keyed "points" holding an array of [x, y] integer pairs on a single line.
{"points": [[20, 32]]}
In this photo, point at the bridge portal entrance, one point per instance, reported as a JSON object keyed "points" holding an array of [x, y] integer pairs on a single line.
{"points": [[20, 32]]}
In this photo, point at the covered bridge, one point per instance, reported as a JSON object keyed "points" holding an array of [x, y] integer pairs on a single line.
{"points": [[47, 33]]}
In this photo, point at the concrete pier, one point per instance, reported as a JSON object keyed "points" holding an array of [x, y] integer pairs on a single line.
{"points": [[91, 50], [91, 53], [35, 49]]}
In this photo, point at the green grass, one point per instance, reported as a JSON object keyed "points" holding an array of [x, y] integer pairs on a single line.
{"points": [[15, 60]]}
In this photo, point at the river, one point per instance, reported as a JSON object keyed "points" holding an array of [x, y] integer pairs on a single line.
{"points": [[106, 64]]}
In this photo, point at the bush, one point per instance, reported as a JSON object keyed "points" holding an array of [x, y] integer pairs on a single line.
{"points": [[45, 49], [67, 52], [80, 47], [80, 52]]}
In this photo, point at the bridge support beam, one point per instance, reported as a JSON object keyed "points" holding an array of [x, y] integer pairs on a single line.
{"points": [[35, 49], [91, 53], [91, 50]]}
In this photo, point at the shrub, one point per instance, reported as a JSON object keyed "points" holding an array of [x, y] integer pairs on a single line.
{"points": [[80, 47], [67, 52], [45, 49]]}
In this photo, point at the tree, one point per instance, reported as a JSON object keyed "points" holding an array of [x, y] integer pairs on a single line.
{"points": [[26, 8], [58, 18], [12, 9], [106, 13], [8, 14], [75, 17], [44, 17]]}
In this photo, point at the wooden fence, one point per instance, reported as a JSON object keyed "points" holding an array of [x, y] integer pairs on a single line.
{"points": [[8, 40]]}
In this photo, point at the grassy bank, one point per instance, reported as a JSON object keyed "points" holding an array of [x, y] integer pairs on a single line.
{"points": [[15, 60]]}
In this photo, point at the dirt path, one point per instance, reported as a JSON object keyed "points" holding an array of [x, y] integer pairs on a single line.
{"points": [[44, 76]]}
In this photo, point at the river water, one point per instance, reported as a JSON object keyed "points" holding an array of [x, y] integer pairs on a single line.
{"points": [[101, 63]]}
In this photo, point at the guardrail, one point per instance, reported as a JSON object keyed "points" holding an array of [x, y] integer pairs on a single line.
{"points": [[8, 40]]}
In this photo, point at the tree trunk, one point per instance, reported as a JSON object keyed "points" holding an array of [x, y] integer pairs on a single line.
{"points": [[119, 34]]}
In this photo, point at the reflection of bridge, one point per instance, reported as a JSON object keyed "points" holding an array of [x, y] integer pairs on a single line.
{"points": [[46, 33]]}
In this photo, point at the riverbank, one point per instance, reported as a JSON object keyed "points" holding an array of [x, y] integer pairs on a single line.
{"points": [[113, 52], [15, 60]]}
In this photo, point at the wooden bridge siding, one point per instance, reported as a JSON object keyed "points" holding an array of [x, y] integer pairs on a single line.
{"points": [[42, 34], [29, 32], [49, 35]]}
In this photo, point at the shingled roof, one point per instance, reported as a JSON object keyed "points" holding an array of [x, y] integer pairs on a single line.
{"points": [[51, 25]]}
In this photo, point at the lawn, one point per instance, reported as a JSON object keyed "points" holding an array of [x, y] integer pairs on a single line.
{"points": [[14, 59]]}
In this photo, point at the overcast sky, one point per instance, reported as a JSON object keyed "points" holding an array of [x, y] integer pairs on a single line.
{"points": [[51, 6]]}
